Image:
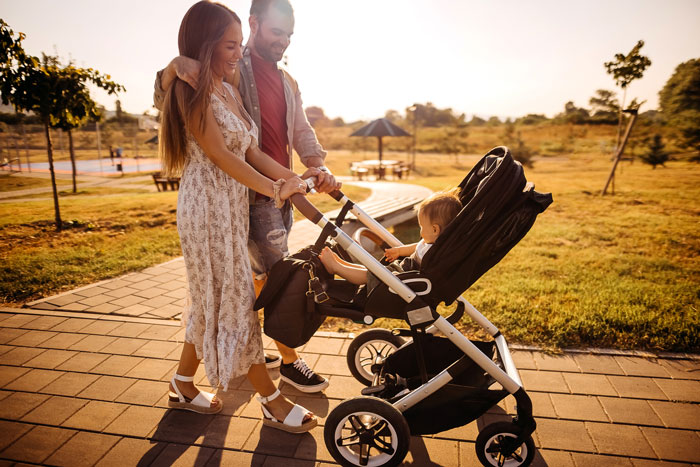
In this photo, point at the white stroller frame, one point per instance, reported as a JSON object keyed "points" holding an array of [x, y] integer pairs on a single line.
{"points": [[420, 314]]}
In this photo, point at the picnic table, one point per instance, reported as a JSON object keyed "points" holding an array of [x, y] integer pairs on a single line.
{"points": [[379, 168]]}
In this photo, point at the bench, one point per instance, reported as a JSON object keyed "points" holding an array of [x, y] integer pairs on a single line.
{"points": [[7, 163], [388, 212], [162, 183]]}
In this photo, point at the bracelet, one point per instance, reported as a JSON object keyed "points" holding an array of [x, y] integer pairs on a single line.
{"points": [[276, 188]]}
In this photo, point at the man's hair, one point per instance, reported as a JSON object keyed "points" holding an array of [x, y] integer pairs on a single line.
{"points": [[259, 8], [441, 208]]}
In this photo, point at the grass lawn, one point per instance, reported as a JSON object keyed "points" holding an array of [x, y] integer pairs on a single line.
{"points": [[10, 183]]}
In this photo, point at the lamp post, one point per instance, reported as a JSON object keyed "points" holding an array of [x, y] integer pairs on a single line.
{"points": [[413, 109]]}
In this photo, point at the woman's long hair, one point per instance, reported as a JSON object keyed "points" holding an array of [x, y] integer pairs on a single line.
{"points": [[201, 29]]}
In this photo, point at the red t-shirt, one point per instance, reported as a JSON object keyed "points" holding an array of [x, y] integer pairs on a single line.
{"points": [[273, 109]]}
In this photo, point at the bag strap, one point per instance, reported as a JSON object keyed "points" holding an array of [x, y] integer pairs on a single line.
{"points": [[315, 287]]}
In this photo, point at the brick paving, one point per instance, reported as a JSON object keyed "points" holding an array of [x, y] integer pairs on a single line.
{"points": [[74, 390]]}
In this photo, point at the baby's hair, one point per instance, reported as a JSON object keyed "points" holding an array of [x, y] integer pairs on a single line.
{"points": [[441, 207]]}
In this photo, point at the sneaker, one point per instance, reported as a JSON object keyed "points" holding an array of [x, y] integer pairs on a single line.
{"points": [[272, 361], [299, 375]]}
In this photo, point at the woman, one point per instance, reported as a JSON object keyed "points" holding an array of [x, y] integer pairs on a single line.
{"points": [[208, 136]]}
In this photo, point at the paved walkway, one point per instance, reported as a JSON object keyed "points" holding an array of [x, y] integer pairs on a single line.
{"points": [[89, 387], [64, 181]]}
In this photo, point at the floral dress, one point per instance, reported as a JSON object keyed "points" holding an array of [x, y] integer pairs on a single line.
{"points": [[212, 220]]}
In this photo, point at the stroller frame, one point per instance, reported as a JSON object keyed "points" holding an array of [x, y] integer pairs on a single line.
{"points": [[423, 320]]}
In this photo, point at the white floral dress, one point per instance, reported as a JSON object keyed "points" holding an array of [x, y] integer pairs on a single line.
{"points": [[212, 220]]}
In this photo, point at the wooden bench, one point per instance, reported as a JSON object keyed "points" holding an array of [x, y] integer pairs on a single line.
{"points": [[6, 164], [388, 212], [162, 183]]}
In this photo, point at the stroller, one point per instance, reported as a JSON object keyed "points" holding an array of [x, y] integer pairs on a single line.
{"points": [[435, 379]]}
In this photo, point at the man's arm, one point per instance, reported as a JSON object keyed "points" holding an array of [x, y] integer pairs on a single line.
{"points": [[185, 68], [309, 149]]}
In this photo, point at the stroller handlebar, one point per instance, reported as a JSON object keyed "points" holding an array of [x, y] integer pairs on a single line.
{"points": [[306, 208]]}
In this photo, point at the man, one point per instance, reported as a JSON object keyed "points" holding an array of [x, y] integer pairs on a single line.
{"points": [[272, 98]]}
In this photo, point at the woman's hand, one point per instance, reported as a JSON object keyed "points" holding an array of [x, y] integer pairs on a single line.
{"points": [[292, 186]]}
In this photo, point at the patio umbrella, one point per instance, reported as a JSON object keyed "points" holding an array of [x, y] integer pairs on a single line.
{"points": [[380, 127]]}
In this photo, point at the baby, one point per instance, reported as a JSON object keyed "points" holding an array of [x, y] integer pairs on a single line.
{"points": [[434, 214]]}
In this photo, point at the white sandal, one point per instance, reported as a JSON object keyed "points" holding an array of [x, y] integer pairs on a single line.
{"points": [[200, 404], [293, 422]]}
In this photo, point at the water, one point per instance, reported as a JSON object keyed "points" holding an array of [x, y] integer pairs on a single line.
{"points": [[129, 165]]}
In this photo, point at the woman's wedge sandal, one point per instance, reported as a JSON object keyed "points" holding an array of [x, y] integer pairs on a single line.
{"points": [[200, 404], [293, 422]]}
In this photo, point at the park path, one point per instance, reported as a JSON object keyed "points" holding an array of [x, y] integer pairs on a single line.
{"points": [[64, 181], [83, 381]]}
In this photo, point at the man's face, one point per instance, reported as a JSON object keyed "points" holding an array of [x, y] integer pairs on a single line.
{"points": [[272, 34]]}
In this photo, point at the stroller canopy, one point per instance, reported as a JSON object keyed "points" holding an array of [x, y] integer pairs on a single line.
{"points": [[498, 208]]}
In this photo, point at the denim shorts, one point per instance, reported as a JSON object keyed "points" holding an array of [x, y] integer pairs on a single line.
{"points": [[269, 232]]}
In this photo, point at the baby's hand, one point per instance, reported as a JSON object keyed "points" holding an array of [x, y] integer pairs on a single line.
{"points": [[392, 254]]}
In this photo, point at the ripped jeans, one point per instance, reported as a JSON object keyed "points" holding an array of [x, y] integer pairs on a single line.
{"points": [[269, 231]]}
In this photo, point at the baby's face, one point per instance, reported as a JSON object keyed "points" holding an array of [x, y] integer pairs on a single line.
{"points": [[428, 231]]}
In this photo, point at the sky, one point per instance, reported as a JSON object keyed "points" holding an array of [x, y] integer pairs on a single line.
{"points": [[357, 59]]}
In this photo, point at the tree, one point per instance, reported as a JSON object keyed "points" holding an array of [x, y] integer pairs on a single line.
{"points": [[74, 105], [46, 89], [679, 101], [605, 107], [493, 121], [315, 115], [520, 151], [656, 155], [625, 69], [477, 121], [573, 114]]}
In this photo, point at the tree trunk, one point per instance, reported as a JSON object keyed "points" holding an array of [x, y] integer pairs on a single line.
{"points": [[26, 150], [71, 150], [618, 156], [619, 117], [49, 148]]}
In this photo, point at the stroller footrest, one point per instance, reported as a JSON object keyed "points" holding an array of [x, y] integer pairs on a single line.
{"points": [[372, 390]]}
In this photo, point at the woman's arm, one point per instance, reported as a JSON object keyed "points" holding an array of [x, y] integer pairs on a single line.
{"points": [[211, 140]]}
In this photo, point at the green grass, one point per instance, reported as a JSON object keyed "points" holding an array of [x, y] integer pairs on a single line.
{"points": [[12, 183]]}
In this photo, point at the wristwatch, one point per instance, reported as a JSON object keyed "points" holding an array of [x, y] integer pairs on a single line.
{"points": [[323, 168]]}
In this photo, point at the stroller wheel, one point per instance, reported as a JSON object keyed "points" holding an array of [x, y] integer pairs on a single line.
{"points": [[498, 437], [367, 431], [364, 350]]}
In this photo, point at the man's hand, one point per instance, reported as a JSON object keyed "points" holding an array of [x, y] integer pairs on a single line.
{"points": [[326, 182], [185, 68]]}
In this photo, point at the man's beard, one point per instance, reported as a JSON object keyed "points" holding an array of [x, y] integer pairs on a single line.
{"points": [[265, 51]]}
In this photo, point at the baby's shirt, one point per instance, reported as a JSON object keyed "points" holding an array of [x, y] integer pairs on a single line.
{"points": [[421, 249]]}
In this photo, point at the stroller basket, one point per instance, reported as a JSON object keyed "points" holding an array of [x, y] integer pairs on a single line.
{"points": [[454, 405]]}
